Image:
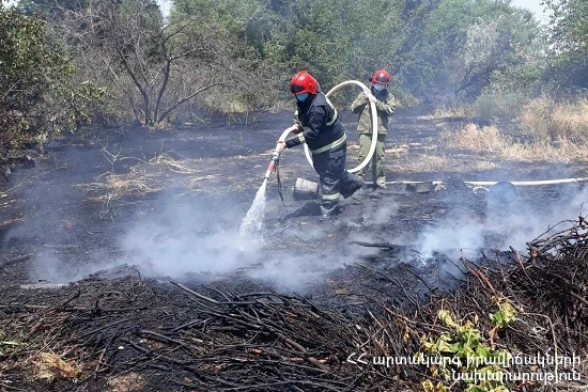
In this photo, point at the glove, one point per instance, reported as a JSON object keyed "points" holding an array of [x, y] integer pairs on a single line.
{"points": [[299, 128]]}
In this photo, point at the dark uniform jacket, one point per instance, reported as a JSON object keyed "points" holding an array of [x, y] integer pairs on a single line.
{"points": [[321, 127]]}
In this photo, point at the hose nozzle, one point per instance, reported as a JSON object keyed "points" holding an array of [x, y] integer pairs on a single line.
{"points": [[272, 164]]}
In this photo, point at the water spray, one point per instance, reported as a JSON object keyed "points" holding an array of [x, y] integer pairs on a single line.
{"points": [[253, 220]]}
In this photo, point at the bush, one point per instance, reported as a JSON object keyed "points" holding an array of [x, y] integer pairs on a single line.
{"points": [[493, 107], [39, 95]]}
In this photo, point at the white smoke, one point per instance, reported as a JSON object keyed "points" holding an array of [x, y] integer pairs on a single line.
{"points": [[198, 238], [385, 212], [458, 235], [510, 223], [203, 242]]}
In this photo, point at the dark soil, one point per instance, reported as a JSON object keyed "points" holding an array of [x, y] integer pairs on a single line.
{"points": [[49, 215]]}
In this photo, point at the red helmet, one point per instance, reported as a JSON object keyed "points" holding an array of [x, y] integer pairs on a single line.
{"points": [[303, 82], [381, 76]]}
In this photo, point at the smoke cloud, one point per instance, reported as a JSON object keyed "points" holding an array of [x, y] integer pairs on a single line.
{"points": [[508, 219], [201, 242]]}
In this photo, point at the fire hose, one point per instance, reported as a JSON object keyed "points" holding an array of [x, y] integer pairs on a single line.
{"points": [[368, 157], [274, 163]]}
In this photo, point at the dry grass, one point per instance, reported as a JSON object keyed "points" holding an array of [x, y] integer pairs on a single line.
{"points": [[544, 118], [457, 111], [131, 382], [117, 187], [165, 171], [49, 366], [144, 178], [493, 142], [168, 162], [474, 139]]}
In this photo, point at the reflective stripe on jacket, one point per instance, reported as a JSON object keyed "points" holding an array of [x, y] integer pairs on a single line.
{"points": [[322, 130]]}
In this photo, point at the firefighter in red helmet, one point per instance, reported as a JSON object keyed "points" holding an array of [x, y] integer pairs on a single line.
{"points": [[385, 106], [319, 127]]}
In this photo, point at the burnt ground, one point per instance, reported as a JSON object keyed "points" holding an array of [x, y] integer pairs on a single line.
{"points": [[89, 201], [122, 212]]}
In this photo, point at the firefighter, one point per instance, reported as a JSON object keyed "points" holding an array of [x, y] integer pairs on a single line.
{"points": [[319, 127], [385, 106]]}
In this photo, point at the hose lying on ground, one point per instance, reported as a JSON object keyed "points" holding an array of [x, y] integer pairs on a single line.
{"points": [[367, 159], [491, 183]]}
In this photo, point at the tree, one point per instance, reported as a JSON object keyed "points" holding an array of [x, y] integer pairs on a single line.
{"points": [[569, 23], [150, 66], [153, 68], [569, 35], [463, 43], [36, 95]]}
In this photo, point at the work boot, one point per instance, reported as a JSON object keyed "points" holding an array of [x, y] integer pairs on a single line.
{"points": [[357, 184], [328, 210], [380, 183]]}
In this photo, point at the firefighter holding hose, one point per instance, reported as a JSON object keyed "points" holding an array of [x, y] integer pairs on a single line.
{"points": [[385, 106], [318, 126]]}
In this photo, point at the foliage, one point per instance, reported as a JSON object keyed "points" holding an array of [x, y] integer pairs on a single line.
{"points": [[239, 54], [569, 22], [488, 40], [237, 30], [569, 35], [37, 96], [430, 53], [495, 105], [151, 68], [468, 353]]}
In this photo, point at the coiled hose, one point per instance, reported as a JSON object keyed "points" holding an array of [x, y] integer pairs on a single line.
{"points": [[368, 157]]}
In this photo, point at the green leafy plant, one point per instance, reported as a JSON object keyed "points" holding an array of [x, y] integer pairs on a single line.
{"points": [[465, 355]]}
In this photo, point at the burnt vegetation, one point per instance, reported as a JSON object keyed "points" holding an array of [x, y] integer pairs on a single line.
{"points": [[226, 337]]}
